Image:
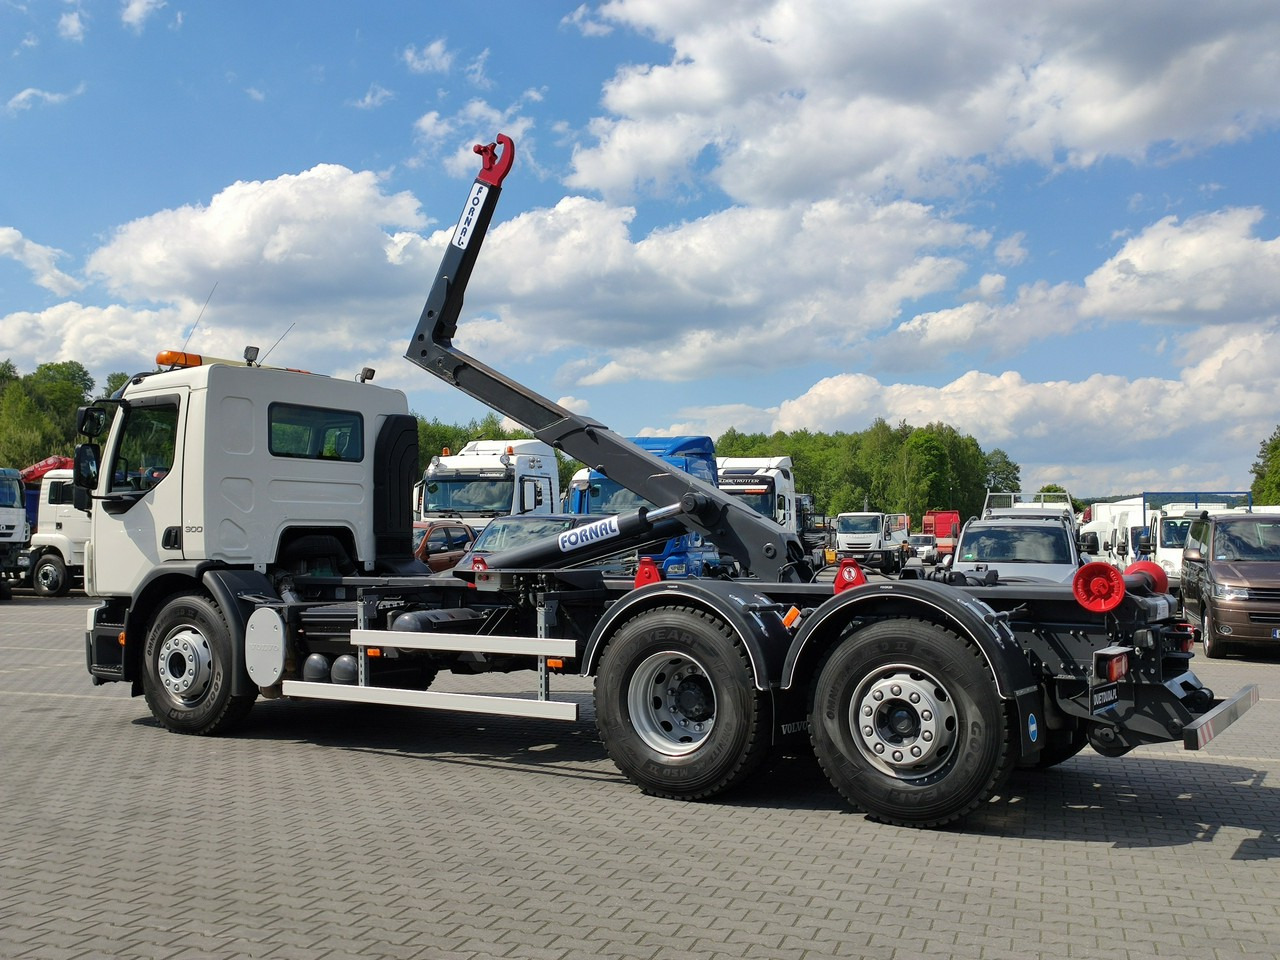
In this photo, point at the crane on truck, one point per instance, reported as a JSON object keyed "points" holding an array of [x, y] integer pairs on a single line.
{"points": [[251, 538]]}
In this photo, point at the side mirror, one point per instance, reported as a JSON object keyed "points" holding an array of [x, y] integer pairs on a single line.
{"points": [[946, 561], [1193, 554], [1089, 542], [1122, 549], [91, 421], [1144, 543], [85, 470]]}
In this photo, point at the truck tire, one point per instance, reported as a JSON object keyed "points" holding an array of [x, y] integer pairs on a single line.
{"points": [[677, 706], [187, 669], [908, 726], [49, 577]]}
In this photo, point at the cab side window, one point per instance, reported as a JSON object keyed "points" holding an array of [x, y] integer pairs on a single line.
{"points": [[145, 454]]}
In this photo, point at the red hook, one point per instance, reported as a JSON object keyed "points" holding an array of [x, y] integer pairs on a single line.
{"points": [[496, 167]]}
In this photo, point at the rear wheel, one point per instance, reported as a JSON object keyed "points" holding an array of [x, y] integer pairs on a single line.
{"points": [[677, 706], [187, 670], [49, 578], [907, 724]]}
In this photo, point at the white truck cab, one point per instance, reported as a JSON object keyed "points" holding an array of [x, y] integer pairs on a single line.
{"points": [[217, 461], [490, 478], [56, 556]]}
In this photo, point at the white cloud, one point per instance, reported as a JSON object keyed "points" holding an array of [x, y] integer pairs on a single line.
{"points": [[432, 58], [920, 98], [32, 96], [375, 97], [71, 26], [135, 13], [1209, 269], [39, 259]]}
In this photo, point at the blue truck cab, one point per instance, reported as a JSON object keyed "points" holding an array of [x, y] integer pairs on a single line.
{"points": [[685, 556]]}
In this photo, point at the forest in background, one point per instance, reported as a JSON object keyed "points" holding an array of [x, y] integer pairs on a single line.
{"points": [[899, 469]]}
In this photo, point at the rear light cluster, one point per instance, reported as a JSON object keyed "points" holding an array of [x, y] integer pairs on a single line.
{"points": [[1111, 664]]}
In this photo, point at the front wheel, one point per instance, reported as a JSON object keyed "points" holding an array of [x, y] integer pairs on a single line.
{"points": [[187, 670], [677, 706], [908, 726], [1215, 648], [49, 578]]}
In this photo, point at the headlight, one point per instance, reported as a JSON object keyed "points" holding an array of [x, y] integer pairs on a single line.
{"points": [[1222, 591]]}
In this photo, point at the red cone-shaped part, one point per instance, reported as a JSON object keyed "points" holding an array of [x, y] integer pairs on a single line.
{"points": [[647, 572], [1159, 579], [1098, 587], [848, 575]]}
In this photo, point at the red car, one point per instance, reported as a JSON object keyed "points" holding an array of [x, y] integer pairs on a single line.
{"points": [[440, 544]]}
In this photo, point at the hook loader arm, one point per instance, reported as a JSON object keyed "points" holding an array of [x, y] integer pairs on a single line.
{"points": [[762, 547]]}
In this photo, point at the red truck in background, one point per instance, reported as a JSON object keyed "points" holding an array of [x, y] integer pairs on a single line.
{"points": [[945, 527]]}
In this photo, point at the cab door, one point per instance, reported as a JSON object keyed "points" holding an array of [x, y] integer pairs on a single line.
{"points": [[137, 508]]}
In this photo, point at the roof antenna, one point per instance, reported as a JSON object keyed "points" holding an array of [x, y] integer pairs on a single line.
{"points": [[201, 314], [277, 343]]}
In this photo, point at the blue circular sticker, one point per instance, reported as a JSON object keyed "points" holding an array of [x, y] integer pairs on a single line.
{"points": [[1033, 729]]}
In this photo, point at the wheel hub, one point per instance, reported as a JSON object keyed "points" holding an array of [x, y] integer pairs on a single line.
{"points": [[672, 703], [47, 576], [185, 664], [904, 722]]}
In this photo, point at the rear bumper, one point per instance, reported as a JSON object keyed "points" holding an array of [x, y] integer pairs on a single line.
{"points": [[1207, 726]]}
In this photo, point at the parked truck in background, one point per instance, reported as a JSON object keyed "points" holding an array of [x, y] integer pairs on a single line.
{"points": [[688, 555], [54, 560], [944, 525], [766, 484], [874, 539], [15, 531], [487, 479], [269, 559]]}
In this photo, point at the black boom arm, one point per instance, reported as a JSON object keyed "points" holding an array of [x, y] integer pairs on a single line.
{"points": [[762, 548]]}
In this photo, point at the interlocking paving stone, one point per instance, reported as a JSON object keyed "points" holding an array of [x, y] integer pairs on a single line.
{"points": [[330, 831]]}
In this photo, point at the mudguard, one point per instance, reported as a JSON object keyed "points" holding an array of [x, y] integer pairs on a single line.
{"points": [[230, 590], [972, 618], [754, 617]]}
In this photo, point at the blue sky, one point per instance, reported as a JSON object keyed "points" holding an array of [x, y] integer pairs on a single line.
{"points": [[1052, 226]]}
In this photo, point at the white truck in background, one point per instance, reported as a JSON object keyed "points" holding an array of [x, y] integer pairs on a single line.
{"points": [[487, 479], [55, 558], [874, 539], [766, 484]]}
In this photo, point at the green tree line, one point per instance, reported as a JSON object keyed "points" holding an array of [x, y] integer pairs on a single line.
{"points": [[901, 469]]}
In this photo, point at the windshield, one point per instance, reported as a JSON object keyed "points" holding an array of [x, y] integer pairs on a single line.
{"points": [[608, 496], [919, 540], [469, 496], [867, 523], [1173, 533], [761, 503], [1017, 545], [1247, 540], [503, 535], [10, 493]]}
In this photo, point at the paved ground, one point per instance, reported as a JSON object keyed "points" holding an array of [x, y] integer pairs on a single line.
{"points": [[331, 831]]}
